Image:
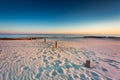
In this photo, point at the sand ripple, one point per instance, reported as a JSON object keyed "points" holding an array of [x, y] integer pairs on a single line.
{"points": [[31, 60]]}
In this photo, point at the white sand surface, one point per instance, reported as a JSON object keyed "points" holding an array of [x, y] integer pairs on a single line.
{"points": [[35, 60]]}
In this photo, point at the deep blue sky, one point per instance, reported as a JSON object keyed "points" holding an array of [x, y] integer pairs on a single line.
{"points": [[56, 12]]}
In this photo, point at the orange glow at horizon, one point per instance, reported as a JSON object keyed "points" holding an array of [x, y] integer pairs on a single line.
{"points": [[103, 27]]}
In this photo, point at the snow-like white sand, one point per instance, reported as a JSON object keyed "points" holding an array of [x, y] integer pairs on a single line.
{"points": [[36, 60]]}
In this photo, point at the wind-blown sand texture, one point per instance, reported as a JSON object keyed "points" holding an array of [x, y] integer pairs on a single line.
{"points": [[36, 60]]}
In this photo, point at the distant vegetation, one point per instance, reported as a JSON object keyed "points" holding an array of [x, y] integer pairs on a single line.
{"points": [[33, 38]]}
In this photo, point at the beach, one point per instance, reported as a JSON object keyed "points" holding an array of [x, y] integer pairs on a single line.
{"points": [[37, 60]]}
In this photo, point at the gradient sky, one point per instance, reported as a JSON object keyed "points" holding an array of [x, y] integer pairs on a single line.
{"points": [[60, 16]]}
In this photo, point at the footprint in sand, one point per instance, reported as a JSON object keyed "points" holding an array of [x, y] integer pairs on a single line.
{"points": [[47, 73], [44, 56], [95, 76], [24, 68], [70, 77], [33, 59], [50, 58], [44, 52], [45, 61], [104, 69], [82, 77], [39, 57], [60, 70], [40, 73], [54, 73], [56, 63], [67, 65], [75, 76], [22, 57], [58, 56], [76, 66], [18, 60]]}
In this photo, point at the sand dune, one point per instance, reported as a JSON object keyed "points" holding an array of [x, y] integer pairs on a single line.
{"points": [[35, 60]]}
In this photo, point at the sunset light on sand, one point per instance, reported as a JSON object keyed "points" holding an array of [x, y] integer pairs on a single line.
{"points": [[59, 39]]}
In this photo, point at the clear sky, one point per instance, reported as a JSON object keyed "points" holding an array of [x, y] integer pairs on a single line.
{"points": [[60, 16]]}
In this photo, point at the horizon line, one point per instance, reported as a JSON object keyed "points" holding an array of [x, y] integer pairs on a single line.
{"points": [[60, 33]]}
